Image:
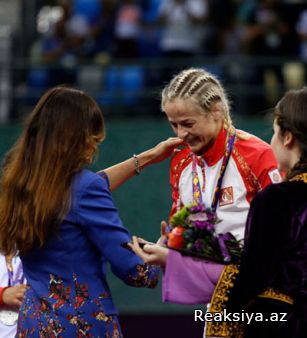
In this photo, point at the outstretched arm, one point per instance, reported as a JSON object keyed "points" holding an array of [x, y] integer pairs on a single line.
{"points": [[121, 172]]}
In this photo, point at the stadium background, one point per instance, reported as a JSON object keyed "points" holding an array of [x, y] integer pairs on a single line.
{"points": [[134, 123]]}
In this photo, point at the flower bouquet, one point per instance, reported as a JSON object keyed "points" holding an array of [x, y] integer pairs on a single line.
{"points": [[192, 232]]}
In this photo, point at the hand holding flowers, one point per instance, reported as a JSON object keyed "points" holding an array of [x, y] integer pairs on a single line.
{"points": [[192, 232]]}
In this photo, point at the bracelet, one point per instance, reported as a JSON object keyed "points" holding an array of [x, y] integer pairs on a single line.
{"points": [[136, 164]]}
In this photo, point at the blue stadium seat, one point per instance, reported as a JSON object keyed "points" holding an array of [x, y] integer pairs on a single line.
{"points": [[132, 83], [122, 85]]}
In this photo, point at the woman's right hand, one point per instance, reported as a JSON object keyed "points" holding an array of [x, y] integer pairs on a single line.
{"points": [[153, 254]]}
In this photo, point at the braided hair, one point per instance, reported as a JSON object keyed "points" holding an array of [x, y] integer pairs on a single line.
{"points": [[200, 85]]}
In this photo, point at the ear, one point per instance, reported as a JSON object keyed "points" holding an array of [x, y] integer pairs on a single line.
{"points": [[217, 110], [288, 139]]}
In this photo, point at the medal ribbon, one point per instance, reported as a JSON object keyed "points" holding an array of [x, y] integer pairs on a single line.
{"points": [[19, 277], [197, 195]]}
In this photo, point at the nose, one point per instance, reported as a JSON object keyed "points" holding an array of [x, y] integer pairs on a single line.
{"points": [[181, 132]]}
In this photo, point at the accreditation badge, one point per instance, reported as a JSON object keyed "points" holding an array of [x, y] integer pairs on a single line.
{"points": [[8, 317]]}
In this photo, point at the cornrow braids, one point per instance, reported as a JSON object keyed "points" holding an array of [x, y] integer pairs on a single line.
{"points": [[174, 88], [196, 85], [200, 85], [183, 80], [211, 95]]}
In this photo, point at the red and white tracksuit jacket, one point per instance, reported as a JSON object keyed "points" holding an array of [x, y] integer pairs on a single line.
{"points": [[251, 167]]}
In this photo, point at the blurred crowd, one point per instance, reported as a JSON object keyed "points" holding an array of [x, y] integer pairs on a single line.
{"points": [[100, 31], [146, 28]]}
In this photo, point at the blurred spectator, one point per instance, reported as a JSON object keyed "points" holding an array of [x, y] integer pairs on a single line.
{"points": [[100, 16], [78, 40], [103, 32], [53, 41], [67, 42], [71, 38], [221, 27], [245, 7], [268, 34], [127, 29], [183, 27], [51, 48], [182, 32], [65, 49], [151, 31], [301, 28], [89, 9], [268, 30], [150, 10]]}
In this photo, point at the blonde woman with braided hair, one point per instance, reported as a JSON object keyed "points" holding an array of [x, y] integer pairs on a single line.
{"points": [[230, 165]]}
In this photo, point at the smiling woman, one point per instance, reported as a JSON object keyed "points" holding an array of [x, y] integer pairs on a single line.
{"points": [[198, 110], [190, 123], [220, 167]]}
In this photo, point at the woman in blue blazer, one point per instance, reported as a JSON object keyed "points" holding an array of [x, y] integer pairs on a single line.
{"points": [[60, 218]]}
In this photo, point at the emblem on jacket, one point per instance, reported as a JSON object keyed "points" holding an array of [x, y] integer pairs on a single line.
{"points": [[275, 176], [226, 196]]}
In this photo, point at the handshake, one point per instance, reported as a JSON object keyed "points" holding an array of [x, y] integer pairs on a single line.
{"points": [[151, 253]]}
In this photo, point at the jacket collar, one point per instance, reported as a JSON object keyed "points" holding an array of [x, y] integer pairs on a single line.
{"points": [[217, 151]]}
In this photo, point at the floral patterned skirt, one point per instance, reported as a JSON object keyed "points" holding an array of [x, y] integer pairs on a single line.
{"points": [[64, 318]]}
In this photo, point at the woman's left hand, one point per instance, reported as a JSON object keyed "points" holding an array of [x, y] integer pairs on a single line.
{"points": [[164, 149]]}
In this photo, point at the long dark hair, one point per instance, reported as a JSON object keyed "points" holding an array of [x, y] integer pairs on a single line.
{"points": [[60, 137], [291, 115]]}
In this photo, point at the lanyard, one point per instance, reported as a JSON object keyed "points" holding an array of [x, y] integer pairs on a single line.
{"points": [[19, 277], [197, 193]]}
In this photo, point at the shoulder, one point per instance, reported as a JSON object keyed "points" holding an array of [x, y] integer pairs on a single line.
{"points": [[91, 193], [87, 180], [86, 177], [282, 203], [273, 195], [247, 143], [258, 155]]}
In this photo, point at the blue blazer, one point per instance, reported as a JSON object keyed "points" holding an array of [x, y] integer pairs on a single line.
{"points": [[67, 276]]}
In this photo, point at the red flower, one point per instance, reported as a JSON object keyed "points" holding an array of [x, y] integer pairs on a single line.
{"points": [[175, 238]]}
